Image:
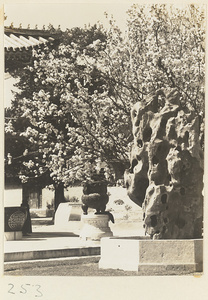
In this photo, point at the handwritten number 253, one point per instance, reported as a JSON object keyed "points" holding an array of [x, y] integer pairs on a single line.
{"points": [[24, 289]]}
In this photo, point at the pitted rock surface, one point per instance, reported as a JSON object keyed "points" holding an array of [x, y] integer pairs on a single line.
{"points": [[165, 176]]}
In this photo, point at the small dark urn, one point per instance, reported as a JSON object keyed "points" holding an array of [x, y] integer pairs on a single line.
{"points": [[95, 193]]}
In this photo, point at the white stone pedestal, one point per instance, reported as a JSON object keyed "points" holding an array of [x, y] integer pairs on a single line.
{"points": [[95, 227], [62, 214], [67, 212], [140, 254]]}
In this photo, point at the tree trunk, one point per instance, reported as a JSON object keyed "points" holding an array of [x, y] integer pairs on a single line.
{"points": [[119, 169], [59, 195], [27, 227]]}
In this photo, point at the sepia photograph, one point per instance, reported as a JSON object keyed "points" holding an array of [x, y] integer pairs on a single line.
{"points": [[104, 140]]}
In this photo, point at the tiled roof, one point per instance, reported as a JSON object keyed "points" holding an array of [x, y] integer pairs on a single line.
{"points": [[14, 41], [15, 38], [19, 42]]}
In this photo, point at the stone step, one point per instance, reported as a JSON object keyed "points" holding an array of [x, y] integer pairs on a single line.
{"points": [[42, 221], [51, 253], [52, 261]]}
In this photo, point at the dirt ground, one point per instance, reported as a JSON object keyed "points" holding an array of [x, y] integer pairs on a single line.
{"points": [[81, 267]]}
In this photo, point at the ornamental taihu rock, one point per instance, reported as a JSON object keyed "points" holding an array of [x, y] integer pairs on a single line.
{"points": [[165, 176]]}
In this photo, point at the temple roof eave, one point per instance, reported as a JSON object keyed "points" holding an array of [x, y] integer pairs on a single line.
{"points": [[18, 38]]}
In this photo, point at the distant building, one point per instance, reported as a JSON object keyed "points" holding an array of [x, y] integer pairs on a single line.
{"points": [[18, 46]]}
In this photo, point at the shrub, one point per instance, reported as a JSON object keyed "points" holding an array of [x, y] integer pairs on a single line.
{"points": [[119, 202]]}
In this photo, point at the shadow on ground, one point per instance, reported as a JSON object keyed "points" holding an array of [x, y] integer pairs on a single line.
{"points": [[44, 235]]}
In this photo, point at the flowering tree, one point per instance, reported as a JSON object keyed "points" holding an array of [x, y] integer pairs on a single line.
{"points": [[41, 122], [76, 100], [163, 47]]}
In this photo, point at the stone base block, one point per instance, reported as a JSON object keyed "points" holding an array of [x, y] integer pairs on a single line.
{"points": [[95, 227], [76, 212], [67, 212], [62, 214], [140, 254], [13, 235]]}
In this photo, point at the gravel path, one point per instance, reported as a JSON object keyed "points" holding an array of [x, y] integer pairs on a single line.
{"points": [[72, 267]]}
